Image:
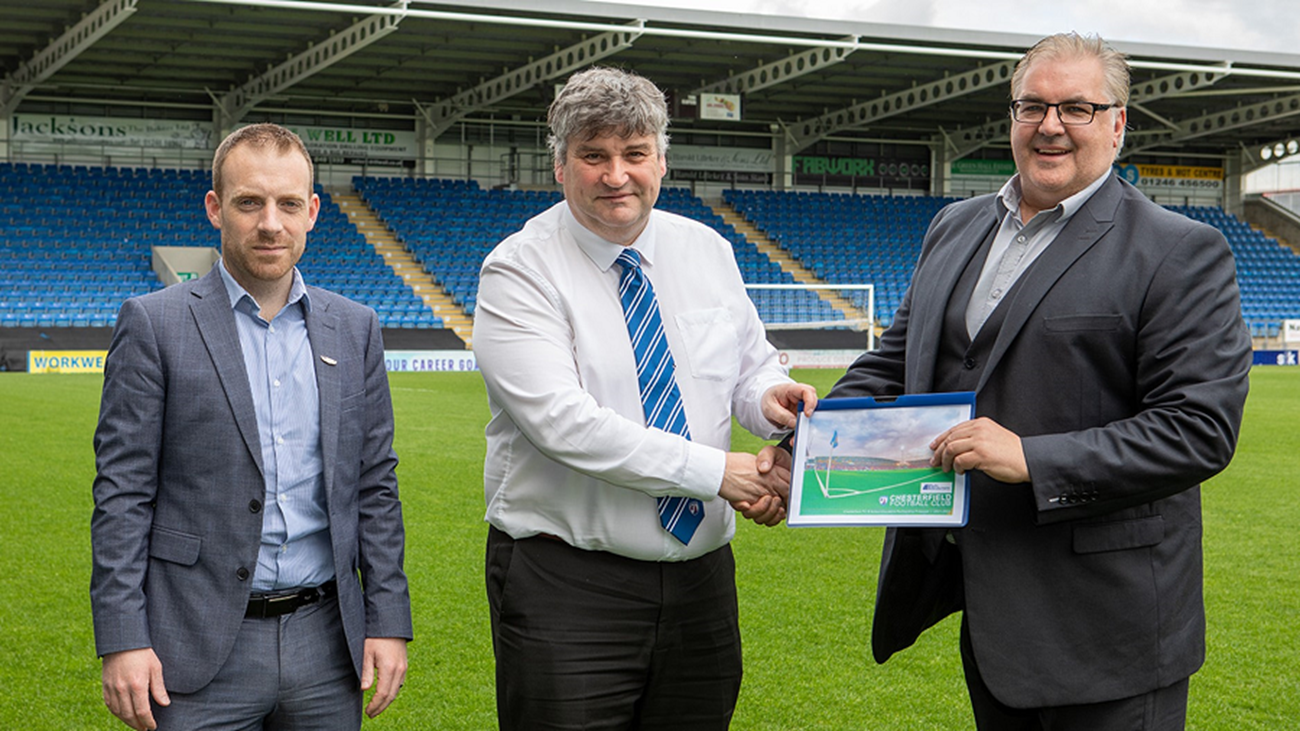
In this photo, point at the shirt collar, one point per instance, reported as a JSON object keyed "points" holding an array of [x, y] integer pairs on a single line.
{"points": [[603, 253], [236, 292], [1010, 194]]}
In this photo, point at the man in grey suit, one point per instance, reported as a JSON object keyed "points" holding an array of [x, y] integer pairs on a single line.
{"points": [[1103, 338], [247, 532]]}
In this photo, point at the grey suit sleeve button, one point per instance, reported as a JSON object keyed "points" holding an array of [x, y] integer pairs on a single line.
{"points": [[254, 506], [242, 573]]}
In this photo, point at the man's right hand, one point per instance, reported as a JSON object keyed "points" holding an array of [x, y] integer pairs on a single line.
{"points": [[759, 495], [130, 677]]}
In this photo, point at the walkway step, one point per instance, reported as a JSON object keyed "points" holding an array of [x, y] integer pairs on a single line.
{"points": [[789, 264], [382, 239]]}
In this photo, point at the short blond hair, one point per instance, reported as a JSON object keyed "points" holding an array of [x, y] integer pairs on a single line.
{"points": [[1071, 46], [258, 135]]}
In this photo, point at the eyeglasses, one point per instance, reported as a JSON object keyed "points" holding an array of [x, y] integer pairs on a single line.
{"points": [[1073, 113]]}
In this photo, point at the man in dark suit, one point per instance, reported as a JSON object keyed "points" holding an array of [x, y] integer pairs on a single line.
{"points": [[1102, 335], [246, 491]]}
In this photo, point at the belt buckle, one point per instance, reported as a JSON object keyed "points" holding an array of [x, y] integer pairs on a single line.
{"points": [[278, 605]]}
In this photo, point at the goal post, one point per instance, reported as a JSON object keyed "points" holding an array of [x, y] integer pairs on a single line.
{"points": [[817, 307]]}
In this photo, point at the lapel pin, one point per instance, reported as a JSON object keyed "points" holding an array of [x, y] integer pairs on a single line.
{"points": [[328, 360]]}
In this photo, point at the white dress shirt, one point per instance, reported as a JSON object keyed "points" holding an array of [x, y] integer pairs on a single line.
{"points": [[568, 452]]}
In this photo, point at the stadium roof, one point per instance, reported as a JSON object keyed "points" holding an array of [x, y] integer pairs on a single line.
{"points": [[393, 62]]}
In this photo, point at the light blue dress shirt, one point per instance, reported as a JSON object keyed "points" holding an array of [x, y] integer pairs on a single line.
{"points": [[296, 550], [1018, 245]]}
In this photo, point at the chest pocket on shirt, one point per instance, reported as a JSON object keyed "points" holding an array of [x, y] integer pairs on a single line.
{"points": [[711, 343]]}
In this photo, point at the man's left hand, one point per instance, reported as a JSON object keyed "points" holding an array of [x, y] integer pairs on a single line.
{"points": [[769, 510], [981, 444], [781, 403], [386, 657]]}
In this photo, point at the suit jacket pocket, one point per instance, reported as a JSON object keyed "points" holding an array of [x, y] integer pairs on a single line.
{"points": [[1075, 323], [352, 401], [170, 545], [1118, 535]]}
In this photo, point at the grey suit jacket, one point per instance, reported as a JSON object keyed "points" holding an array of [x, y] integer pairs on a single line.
{"points": [[1122, 364], [178, 494]]}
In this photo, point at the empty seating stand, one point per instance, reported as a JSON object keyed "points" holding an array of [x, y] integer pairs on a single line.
{"points": [[76, 241], [845, 238], [1267, 272], [450, 226]]}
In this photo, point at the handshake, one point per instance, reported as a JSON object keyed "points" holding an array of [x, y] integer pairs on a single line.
{"points": [[758, 485]]}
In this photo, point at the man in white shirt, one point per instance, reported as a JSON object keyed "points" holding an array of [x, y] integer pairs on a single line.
{"points": [[603, 614]]}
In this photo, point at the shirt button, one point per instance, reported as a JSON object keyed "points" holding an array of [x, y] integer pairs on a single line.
{"points": [[279, 440], [254, 506], [276, 383]]}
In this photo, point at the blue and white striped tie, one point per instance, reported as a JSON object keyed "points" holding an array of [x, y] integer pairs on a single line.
{"points": [[660, 398]]}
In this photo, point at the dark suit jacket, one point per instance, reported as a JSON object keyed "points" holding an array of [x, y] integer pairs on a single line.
{"points": [[177, 520], [1122, 364]]}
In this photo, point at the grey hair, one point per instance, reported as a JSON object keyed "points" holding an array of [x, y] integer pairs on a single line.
{"points": [[1070, 46], [602, 100]]}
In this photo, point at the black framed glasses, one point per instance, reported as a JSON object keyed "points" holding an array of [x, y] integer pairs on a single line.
{"points": [[1029, 111]]}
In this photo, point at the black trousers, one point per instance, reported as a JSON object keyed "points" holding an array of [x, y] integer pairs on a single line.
{"points": [[1164, 709], [591, 640]]}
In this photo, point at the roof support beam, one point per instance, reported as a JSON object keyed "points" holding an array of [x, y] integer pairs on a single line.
{"points": [[95, 25], [1235, 118], [238, 102], [923, 95], [964, 141], [779, 72], [442, 114]]}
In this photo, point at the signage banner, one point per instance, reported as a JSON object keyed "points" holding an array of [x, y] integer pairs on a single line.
{"points": [[429, 361], [819, 358], [92, 361], [1291, 331], [1276, 357], [720, 159], [995, 168], [66, 361], [813, 169], [720, 106], [348, 146], [112, 131], [1166, 177]]}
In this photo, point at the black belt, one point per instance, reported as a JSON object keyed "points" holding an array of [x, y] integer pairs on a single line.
{"points": [[277, 603]]}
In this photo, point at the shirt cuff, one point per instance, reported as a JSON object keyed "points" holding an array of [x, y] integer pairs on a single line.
{"points": [[705, 467]]}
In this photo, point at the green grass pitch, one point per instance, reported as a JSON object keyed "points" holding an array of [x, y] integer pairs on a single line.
{"points": [[805, 594], [866, 492]]}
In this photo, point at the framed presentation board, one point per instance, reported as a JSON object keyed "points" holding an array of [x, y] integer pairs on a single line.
{"points": [[862, 461]]}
